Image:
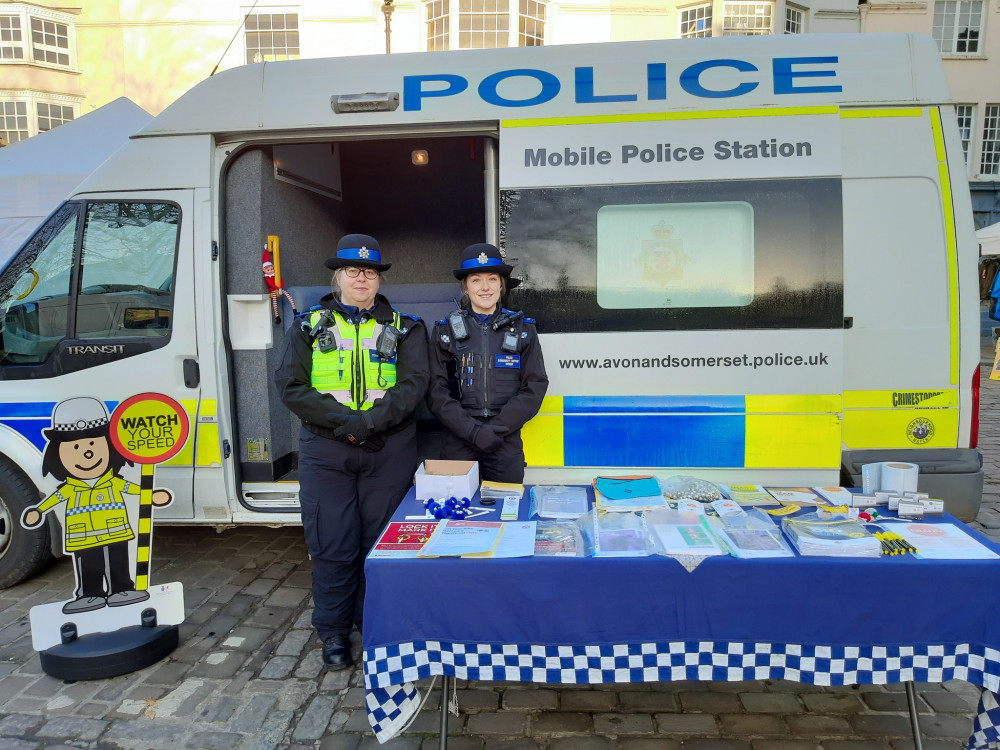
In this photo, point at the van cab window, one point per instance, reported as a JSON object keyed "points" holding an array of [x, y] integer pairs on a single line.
{"points": [[97, 275]]}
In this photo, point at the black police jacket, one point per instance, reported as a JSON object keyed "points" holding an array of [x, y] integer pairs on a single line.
{"points": [[321, 413], [477, 379]]}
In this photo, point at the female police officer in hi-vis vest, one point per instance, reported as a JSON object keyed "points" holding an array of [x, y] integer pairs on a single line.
{"points": [[354, 370], [487, 373]]}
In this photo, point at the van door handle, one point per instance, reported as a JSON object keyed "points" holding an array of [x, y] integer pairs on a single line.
{"points": [[192, 374]]}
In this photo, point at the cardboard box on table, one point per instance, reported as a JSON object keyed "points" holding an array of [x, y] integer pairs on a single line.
{"points": [[444, 479]]}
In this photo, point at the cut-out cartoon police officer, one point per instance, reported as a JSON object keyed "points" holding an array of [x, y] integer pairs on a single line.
{"points": [[81, 454]]}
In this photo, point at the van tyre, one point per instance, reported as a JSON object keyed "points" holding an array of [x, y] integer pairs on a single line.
{"points": [[23, 552]]}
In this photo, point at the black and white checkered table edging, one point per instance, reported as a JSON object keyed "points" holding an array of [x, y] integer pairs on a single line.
{"points": [[390, 671]]}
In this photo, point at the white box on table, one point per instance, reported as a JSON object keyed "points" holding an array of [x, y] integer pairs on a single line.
{"points": [[443, 479]]}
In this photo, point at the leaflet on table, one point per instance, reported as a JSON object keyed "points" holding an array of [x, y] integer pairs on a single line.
{"points": [[453, 538], [615, 534], [797, 495], [748, 494], [676, 533], [750, 534], [941, 541], [517, 540], [630, 493], [835, 495], [558, 538], [558, 501], [403, 539], [500, 490], [832, 537]]}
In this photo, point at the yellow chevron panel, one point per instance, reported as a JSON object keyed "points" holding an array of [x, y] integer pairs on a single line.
{"points": [[185, 456], [208, 445], [543, 436], [801, 441], [796, 404], [901, 428]]}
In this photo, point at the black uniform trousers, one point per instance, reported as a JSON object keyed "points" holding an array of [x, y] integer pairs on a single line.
{"points": [[348, 495], [103, 571], [505, 464]]}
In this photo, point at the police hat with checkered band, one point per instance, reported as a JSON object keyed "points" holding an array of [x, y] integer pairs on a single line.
{"points": [[360, 251], [484, 258], [77, 419]]}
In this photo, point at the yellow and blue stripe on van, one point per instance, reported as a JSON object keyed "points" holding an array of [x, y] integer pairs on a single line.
{"points": [[739, 431], [30, 418]]}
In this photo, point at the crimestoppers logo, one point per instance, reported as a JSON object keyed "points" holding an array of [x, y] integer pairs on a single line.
{"points": [[920, 430]]}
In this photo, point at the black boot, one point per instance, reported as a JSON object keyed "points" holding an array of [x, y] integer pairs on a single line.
{"points": [[337, 652]]}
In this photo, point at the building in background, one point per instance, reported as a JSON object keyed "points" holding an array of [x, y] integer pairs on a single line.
{"points": [[58, 62], [40, 75], [967, 33]]}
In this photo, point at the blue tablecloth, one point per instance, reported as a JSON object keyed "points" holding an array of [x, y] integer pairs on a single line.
{"points": [[825, 621]]}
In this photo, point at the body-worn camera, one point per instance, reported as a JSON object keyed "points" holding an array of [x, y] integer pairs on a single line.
{"points": [[509, 342], [385, 347], [457, 323]]}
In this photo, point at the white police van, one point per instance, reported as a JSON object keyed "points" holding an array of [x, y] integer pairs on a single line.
{"points": [[750, 259]]}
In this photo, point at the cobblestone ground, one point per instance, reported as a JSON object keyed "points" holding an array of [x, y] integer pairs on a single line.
{"points": [[247, 675]]}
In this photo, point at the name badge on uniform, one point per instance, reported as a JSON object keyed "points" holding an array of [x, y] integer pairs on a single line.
{"points": [[507, 360]]}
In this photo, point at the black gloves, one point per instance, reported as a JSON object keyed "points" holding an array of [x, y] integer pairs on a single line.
{"points": [[354, 431], [485, 438]]}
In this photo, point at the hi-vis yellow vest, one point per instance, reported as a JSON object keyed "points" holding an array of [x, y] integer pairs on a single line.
{"points": [[352, 372], [95, 515]]}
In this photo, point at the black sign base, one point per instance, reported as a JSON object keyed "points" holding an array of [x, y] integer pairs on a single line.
{"points": [[99, 655]]}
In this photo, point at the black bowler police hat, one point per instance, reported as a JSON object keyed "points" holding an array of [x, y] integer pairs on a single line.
{"points": [[360, 251], [484, 258]]}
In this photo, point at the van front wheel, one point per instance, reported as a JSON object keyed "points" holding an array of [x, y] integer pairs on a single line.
{"points": [[23, 552]]}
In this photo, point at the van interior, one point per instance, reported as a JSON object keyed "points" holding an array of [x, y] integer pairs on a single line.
{"points": [[311, 194]]}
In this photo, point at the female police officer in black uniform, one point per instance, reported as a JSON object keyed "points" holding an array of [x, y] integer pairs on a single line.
{"points": [[487, 373], [354, 370]]}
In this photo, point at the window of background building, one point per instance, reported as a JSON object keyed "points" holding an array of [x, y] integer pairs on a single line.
{"points": [[36, 35], [52, 115], [958, 25], [696, 21], [11, 39], [991, 141], [965, 114], [272, 36], [794, 20], [484, 23], [746, 19], [531, 31], [49, 42], [437, 25], [14, 121]]}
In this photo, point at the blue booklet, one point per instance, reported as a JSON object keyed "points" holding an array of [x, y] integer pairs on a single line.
{"points": [[628, 488]]}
